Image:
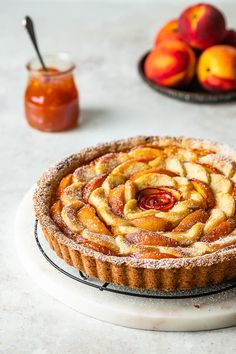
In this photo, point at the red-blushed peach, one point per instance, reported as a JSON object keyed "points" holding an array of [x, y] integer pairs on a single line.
{"points": [[202, 26], [171, 64], [168, 32], [216, 69], [230, 38]]}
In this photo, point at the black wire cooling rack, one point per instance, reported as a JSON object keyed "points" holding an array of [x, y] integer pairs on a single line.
{"points": [[181, 294]]}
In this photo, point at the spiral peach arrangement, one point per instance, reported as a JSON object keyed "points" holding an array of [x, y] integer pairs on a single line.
{"points": [[166, 199]]}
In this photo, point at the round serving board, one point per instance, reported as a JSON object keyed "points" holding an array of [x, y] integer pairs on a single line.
{"points": [[194, 92], [189, 314]]}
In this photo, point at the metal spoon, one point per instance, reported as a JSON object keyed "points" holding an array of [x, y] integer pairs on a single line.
{"points": [[29, 25]]}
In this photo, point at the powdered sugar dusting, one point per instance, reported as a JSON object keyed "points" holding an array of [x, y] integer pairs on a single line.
{"points": [[48, 183]]}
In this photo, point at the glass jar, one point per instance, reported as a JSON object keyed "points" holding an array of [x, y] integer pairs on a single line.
{"points": [[51, 97]]}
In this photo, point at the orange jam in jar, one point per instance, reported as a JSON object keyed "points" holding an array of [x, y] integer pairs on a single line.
{"points": [[51, 97]]}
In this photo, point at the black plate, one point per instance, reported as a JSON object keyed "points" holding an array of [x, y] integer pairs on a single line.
{"points": [[194, 92]]}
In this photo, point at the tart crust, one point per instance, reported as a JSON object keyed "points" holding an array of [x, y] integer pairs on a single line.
{"points": [[164, 274]]}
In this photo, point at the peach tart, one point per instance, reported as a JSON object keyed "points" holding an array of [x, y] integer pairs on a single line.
{"points": [[145, 212]]}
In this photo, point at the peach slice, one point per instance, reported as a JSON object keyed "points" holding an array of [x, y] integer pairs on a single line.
{"points": [[148, 191], [87, 216], [205, 191], [196, 171], [217, 216], [130, 191], [97, 247], [223, 229], [226, 203], [70, 217], [152, 223], [107, 162], [145, 153], [234, 191], [175, 166], [202, 152], [153, 170], [128, 168], [220, 183], [209, 168], [186, 223], [180, 153], [56, 214], [158, 200], [85, 173], [154, 180], [65, 182], [223, 164], [175, 192], [145, 238], [154, 255], [72, 194], [116, 199], [93, 184]]}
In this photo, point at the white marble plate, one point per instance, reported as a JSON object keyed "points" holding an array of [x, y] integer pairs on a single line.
{"points": [[192, 314]]}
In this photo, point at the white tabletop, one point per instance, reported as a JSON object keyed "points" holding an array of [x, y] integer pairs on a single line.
{"points": [[105, 40]]}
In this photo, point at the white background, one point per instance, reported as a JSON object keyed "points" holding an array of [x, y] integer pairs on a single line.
{"points": [[106, 40]]}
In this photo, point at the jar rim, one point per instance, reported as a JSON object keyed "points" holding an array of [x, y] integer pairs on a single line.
{"points": [[62, 56]]}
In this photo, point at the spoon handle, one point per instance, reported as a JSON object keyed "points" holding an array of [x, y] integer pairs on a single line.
{"points": [[29, 25]]}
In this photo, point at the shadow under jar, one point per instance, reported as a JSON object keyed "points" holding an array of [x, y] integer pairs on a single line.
{"points": [[51, 97]]}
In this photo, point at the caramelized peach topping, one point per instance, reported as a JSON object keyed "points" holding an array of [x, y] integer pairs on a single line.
{"points": [[205, 191], [116, 199], [150, 239], [223, 229], [162, 198], [89, 219], [186, 223], [93, 184]]}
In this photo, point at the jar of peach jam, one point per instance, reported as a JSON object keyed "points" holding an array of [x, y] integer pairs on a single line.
{"points": [[51, 97]]}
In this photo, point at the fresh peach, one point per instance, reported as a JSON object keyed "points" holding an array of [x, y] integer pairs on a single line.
{"points": [[216, 68], [171, 64], [168, 32], [202, 26], [230, 38]]}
